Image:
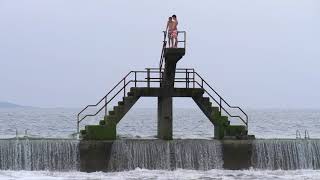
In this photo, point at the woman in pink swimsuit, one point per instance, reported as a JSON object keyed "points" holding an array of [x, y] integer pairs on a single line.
{"points": [[174, 33]]}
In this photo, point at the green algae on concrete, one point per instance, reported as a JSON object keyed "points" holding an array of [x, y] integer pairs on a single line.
{"points": [[235, 130], [98, 132]]}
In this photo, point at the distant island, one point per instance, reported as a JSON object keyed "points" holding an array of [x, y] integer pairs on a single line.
{"points": [[9, 105]]}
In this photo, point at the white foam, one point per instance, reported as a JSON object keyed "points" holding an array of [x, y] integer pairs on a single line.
{"points": [[162, 174]]}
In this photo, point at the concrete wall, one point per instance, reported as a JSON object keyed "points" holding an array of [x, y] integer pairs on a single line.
{"points": [[237, 154], [96, 155]]}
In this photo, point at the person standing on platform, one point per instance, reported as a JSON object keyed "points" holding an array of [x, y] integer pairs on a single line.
{"points": [[170, 30], [174, 33]]}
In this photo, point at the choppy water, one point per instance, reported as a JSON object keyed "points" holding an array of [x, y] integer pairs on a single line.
{"points": [[188, 123], [141, 123]]}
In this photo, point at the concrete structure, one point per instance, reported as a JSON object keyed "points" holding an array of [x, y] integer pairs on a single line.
{"points": [[218, 115], [101, 155], [106, 130], [172, 56]]}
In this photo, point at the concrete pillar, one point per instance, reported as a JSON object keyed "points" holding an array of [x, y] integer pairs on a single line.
{"points": [[165, 117], [172, 56]]}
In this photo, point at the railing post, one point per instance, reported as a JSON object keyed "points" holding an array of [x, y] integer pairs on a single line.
{"points": [[220, 106], [105, 106], [193, 79], [185, 39], [135, 79], [78, 129], [186, 78], [124, 87], [148, 77], [201, 83]]}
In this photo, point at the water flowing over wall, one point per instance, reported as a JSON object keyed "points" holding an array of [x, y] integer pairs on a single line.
{"points": [[39, 154], [127, 154], [158, 154], [286, 154]]}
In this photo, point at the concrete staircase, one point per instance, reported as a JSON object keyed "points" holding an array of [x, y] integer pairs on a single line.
{"points": [[222, 127], [106, 130]]}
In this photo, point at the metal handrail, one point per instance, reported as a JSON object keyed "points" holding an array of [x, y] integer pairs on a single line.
{"points": [[104, 98], [125, 81], [306, 134], [222, 108], [165, 44], [223, 100], [298, 135], [162, 51], [184, 40]]}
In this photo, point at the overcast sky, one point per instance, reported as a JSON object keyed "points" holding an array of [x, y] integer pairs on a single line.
{"points": [[257, 54]]}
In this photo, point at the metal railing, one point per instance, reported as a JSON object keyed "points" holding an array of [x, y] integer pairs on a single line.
{"points": [[190, 76], [164, 45], [185, 77]]}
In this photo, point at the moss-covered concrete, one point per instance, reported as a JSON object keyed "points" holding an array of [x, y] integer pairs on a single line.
{"points": [[100, 132], [235, 130]]}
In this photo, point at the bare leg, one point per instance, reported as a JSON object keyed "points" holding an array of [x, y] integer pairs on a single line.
{"points": [[171, 42], [176, 42]]}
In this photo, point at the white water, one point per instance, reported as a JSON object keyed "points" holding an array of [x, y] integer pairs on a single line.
{"points": [[186, 154], [180, 174], [42, 154], [286, 154]]}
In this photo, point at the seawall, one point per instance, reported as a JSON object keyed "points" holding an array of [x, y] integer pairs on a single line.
{"points": [[127, 154], [200, 154], [159, 154]]}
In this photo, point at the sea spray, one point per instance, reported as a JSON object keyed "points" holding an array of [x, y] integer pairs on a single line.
{"points": [[39, 154], [286, 154]]}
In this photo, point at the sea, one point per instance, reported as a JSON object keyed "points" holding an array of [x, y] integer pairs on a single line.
{"points": [[49, 135]]}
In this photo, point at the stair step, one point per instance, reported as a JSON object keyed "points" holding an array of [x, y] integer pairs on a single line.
{"points": [[215, 110], [102, 122], [112, 112], [223, 118], [120, 103], [204, 99], [130, 93], [128, 99], [118, 109], [236, 130], [82, 131], [110, 118]]}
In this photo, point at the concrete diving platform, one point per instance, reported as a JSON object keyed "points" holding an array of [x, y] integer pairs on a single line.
{"points": [[167, 79]]}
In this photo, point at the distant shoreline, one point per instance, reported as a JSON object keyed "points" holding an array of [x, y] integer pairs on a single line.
{"points": [[10, 105]]}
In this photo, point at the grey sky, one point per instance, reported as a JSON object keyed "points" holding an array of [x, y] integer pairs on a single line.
{"points": [[69, 53]]}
